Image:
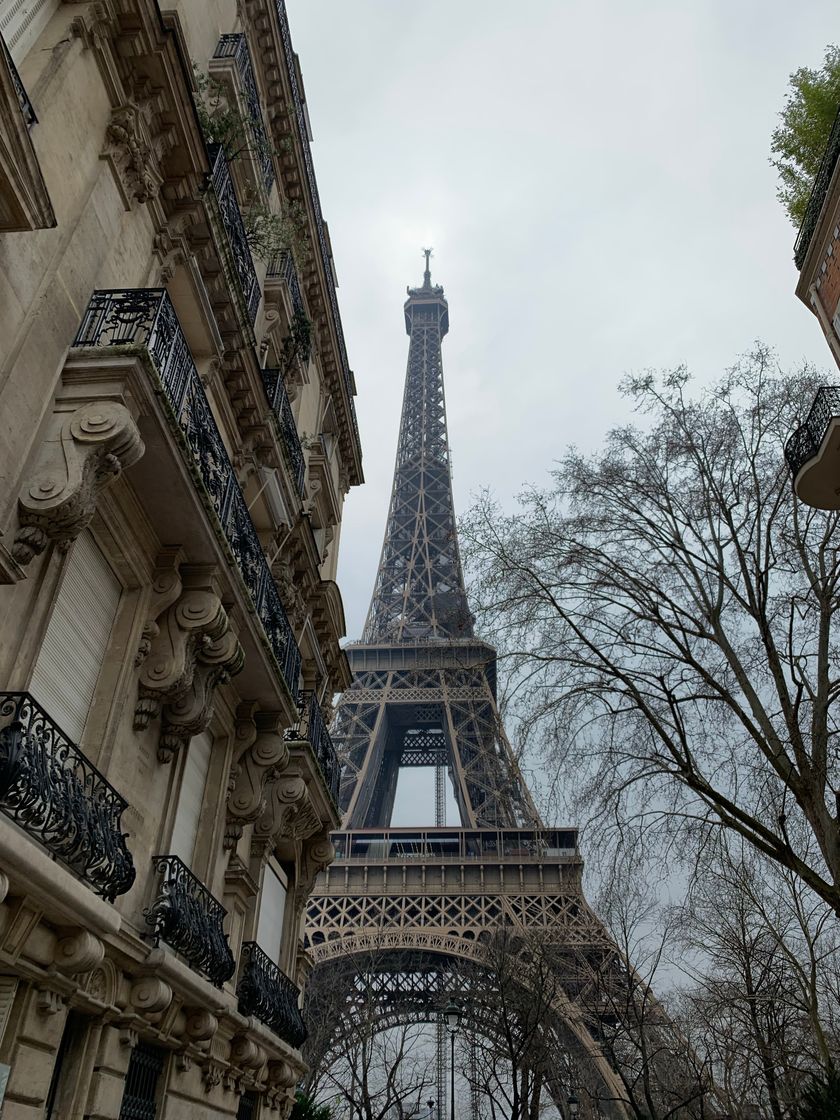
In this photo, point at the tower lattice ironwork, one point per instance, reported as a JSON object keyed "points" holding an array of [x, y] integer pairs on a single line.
{"points": [[407, 907]]}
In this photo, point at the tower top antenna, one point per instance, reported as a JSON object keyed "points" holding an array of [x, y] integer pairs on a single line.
{"points": [[427, 275]]}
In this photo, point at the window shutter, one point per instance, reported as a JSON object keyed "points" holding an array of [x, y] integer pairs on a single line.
{"points": [[272, 909], [22, 21], [74, 646], [185, 828]]}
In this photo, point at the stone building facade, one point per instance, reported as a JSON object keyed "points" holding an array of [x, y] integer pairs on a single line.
{"points": [[177, 436]]}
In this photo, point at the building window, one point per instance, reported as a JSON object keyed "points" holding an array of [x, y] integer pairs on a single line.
{"points": [[272, 912], [141, 1082], [247, 1106], [71, 655], [22, 21], [191, 798], [67, 1063]]}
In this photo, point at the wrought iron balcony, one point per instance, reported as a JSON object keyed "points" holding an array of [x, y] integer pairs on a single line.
{"points": [[237, 237], [186, 916], [278, 398], [23, 97], [818, 195], [282, 267], [235, 46], [269, 995], [144, 319], [323, 248], [820, 489], [50, 790], [312, 729]]}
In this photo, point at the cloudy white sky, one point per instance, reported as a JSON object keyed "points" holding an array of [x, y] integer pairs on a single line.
{"points": [[593, 176]]}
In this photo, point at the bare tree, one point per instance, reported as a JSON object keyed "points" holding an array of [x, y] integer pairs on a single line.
{"points": [[763, 1003], [370, 1066], [509, 1052], [671, 609], [663, 1076]]}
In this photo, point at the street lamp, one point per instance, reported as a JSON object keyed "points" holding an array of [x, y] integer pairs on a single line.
{"points": [[574, 1105], [452, 1015], [430, 1104]]}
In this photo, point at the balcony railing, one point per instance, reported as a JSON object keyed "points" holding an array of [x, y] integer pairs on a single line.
{"points": [[283, 267], [237, 237], [22, 96], [278, 398], [236, 47], [186, 916], [312, 728], [818, 193], [269, 995], [144, 318], [300, 119], [805, 442], [50, 790]]}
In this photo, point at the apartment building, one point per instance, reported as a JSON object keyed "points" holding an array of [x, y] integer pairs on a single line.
{"points": [[177, 436]]}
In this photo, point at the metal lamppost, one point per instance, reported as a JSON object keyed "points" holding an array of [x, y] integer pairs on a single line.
{"points": [[574, 1105], [452, 1015], [430, 1104]]}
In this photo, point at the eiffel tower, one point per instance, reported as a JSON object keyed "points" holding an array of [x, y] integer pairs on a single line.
{"points": [[415, 903]]}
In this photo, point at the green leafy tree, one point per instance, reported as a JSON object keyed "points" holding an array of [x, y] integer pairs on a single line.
{"points": [[305, 1108], [799, 141], [821, 1101]]}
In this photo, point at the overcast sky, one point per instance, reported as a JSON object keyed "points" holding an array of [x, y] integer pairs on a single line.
{"points": [[593, 176], [594, 179]]}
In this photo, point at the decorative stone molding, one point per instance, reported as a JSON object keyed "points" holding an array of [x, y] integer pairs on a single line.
{"points": [[245, 1053], [191, 712], [293, 600], [317, 854], [49, 1002], [261, 755], [211, 1076], [200, 1024], [102, 983], [166, 587], [82, 454], [131, 154], [129, 1036], [148, 995], [284, 797], [78, 951], [193, 651]]}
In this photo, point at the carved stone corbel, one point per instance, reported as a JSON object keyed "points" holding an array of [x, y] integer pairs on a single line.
{"points": [[200, 1025], [166, 587], [290, 594], [246, 1053], [261, 755], [85, 451], [193, 652], [191, 712], [317, 854], [149, 995], [131, 154], [283, 798], [78, 951]]}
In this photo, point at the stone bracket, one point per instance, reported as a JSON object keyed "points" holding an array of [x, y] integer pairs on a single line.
{"points": [[82, 453]]}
